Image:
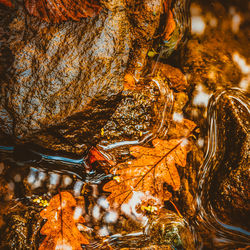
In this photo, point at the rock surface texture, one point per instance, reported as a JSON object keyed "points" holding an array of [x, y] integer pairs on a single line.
{"points": [[66, 78], [224, 182]]}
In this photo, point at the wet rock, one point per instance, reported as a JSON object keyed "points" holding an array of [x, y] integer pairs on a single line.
{"points": [[133, 117], [170, 229], [21, 230], [224, 184], [164, 230], [65, 77], [209, 62], [140, 112], [231, 183], [6, 59]]}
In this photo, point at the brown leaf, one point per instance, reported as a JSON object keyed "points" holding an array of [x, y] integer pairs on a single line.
{"points": [[176, 78], [181, 128], [95, 155], [60, 229], [170, 26], [7, 3], [61, 10], [129, 82], [152, 169]]}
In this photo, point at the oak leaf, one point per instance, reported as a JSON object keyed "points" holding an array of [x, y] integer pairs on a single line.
{"points": [[150, 172], [60, 229], [57, 10]]}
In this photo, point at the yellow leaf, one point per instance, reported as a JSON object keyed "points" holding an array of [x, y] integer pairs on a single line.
{"points": [[152, 53]]}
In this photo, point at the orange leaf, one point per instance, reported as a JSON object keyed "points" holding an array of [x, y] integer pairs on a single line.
{"points": [[8, 3], [129, 81], [176, 78], [57, 10], [60, 229], [96, 155], [152, 169], [170, 26]]}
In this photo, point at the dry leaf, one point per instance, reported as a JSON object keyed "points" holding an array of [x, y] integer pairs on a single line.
{"points": [[56, 10], [60, 229], [170, 22], [151, 171]]}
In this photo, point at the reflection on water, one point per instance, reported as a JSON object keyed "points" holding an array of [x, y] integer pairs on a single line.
{"points": [[166, 229], [30, 174], [224, 138]]}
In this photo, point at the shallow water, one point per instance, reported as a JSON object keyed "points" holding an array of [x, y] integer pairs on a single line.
{"points": [[224, 235], [29, 173]]}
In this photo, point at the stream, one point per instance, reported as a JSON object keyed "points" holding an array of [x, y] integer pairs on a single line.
{"points": [[210, 209]]}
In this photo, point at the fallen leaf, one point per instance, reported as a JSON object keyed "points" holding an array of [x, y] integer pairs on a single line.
{"points": [[98, 157], [174, 75], [170, 26], [151, 171], [56, 11], [129, 82], [181, 128], [60, 229], [7, 3]]}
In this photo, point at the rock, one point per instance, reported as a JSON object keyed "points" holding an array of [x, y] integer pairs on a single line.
{"points": [[169, 229], [22, 227], [164, 230], [140, 112], [224, 183], [65, 77], [134, 115], [209, 63]]}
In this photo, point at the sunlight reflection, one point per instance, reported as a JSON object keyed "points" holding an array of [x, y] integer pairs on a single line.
{"points": [[77, 213], [201, 98], [111, 217], [236, 20], [197, 22], [104, 231], [177, 117], [241, 61], [77, 188], [198, 25]]}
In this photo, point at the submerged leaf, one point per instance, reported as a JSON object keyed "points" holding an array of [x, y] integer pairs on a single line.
{"points": [[150, 173], [174, 75], [60, 229]]}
